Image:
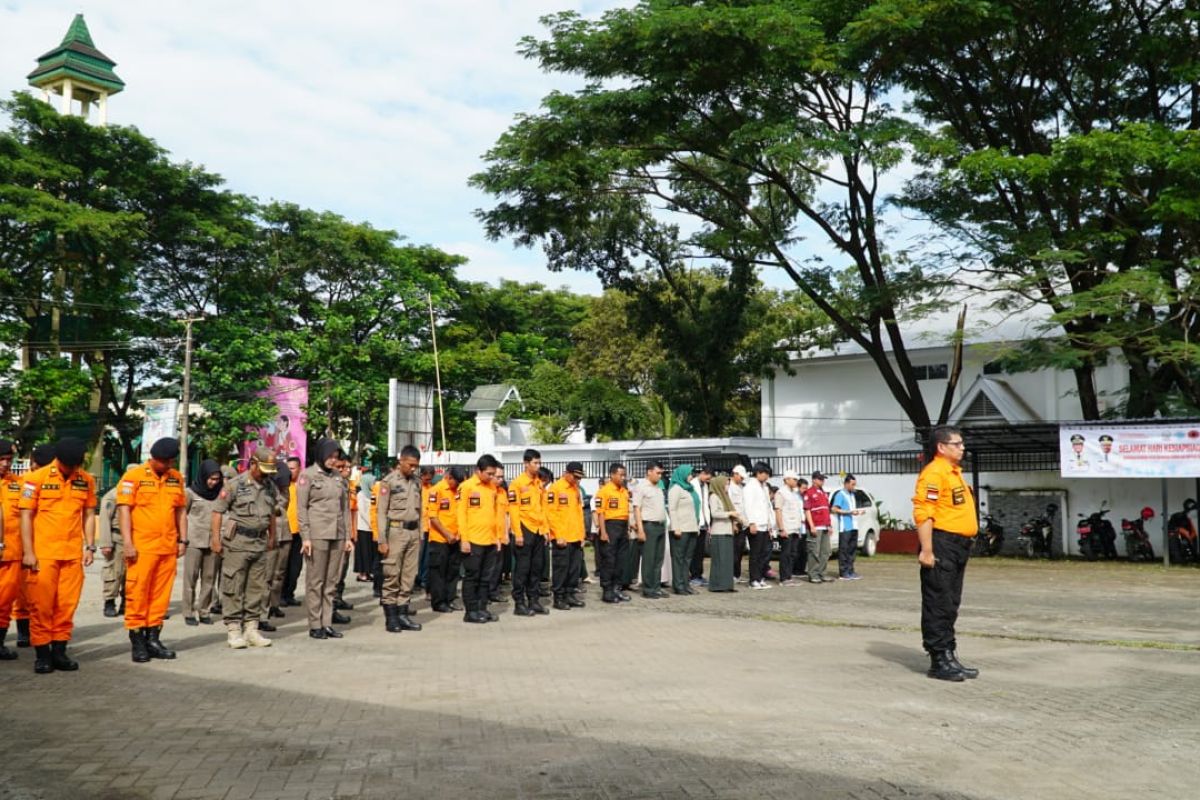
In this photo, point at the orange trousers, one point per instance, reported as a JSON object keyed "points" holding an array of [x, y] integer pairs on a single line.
{"points": [[148, 584], [53, 595], [12, 580]]}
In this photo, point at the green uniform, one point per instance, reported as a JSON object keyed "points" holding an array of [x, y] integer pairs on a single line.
{"points": [[250, 506]]}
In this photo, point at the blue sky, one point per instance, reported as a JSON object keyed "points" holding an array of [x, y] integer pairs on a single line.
{"points": [[377, 111]]}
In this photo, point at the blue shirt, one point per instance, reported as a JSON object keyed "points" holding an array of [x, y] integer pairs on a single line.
{"points": [[843, 499]]}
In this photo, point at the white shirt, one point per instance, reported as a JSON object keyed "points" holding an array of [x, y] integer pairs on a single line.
{"points": [[758, 504]]}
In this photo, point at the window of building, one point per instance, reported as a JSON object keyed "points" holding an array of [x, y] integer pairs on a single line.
{"points": [[931, 372]]}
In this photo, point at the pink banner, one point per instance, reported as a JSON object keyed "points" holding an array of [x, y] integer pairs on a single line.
{"points": [[285, 434]]}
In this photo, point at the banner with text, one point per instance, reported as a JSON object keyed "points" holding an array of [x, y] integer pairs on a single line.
{"points": [[1129, 451], [285, 434], [161, 421]]}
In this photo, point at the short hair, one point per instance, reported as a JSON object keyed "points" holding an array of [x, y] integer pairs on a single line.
{"points": [[427, 469], [486, 461], [942, 433], [530, 455], [762, 466], [654, 465], [613, 467], [293, 460], [457, 473], [802, 481], [545, 475], [408, 451], [849, 477]]}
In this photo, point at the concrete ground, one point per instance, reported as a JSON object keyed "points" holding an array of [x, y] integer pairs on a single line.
{"points": [[1090, 689]]}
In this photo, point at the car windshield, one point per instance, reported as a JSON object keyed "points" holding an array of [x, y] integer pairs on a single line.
{"points": [[862, 499]]}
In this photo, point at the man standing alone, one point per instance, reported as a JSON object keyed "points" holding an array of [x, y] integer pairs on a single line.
{"points": [[946, 519]]}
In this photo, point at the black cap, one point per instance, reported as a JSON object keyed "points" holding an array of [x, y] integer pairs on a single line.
{"points": [[6, 448], [165, 449], [818, 475], [43, 454], [575, 468], [70, 451]]}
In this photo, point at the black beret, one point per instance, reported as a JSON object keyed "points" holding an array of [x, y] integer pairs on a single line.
{"points": [[70, 451], [165, 449]]}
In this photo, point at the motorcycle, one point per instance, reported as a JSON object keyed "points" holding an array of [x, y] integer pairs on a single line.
{"points": [[1181, 535], [1137, 543], [1036, 535], [1097, 537], [991, 539]]}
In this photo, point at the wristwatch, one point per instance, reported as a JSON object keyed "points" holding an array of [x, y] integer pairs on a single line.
{"points": [[184, 542], [91, 548]]}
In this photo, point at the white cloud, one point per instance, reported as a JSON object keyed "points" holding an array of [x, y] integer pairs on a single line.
{"points": [[379, 112]]}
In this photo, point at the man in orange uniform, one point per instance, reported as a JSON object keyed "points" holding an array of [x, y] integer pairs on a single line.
{"points": [[946, 519], [479, 529], [564, 512], [58, 539], [445, 558], [612, 512], [152, 514], [527, 519], [42, 455], [10, 543]]}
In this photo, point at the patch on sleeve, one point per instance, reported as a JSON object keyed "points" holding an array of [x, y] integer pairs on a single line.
{"points": [[444, 505], [126, 487], [302, 481], [433, 497], [224, 494], [382, 489], [512, 496], [932, 492], [29, 490], [550, 496]]}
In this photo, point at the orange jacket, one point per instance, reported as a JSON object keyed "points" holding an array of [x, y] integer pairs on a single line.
{"points": [[154, 502], [59, 507], [944, 497], [564, 511], [478, 512]]}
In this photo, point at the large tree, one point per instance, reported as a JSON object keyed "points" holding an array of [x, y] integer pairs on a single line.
{"points": [[749, 123]]}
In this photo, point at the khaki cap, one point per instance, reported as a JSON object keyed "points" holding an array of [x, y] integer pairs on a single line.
{"points": [[265, 458]]}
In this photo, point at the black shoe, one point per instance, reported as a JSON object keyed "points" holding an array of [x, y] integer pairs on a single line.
{"points": [[679, 591], [340, 619], [521, 610], [110, 608], [968, 672], [406, 622], [545, 593], [317, 633], [442, 608], [276, 612], [42, 663], [490, 616], [609, 597], [497, 598], [624, 597], [22, 633], [205, 619], [290, 602], [266, 626], [941, 669], [454, 606], [137, 645], [342, 605], [6, 653], [59, 658], [215, 610], [192, 621], [156, 648], [391, 619], [330, 633], [575, 602], [562, 605], [475, 617], [121, 609], [537, 607]]}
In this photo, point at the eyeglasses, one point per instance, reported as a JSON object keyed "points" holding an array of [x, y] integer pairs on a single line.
{"points": [[959, 443]]}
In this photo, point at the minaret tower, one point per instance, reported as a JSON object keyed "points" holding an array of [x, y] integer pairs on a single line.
{"points": [[77, 71]]}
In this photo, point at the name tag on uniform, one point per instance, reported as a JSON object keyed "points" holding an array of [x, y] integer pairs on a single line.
{"points": [[550, 496], [958, 496], [433, 498], [475, 500], [444, 505], [525, 501], [614, 502], [512, 496], [563, 500]]}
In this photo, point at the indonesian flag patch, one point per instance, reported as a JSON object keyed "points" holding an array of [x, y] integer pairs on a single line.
{"points": [[931, 492]]}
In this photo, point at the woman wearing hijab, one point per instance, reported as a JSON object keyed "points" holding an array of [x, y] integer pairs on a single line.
{"points": [[683, 508], [720, 532], [199, 561], [365, 551]]}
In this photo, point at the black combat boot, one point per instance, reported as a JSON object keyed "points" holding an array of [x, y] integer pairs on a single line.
{"points": [[609, 597], [574, 602], [968, 672], [561, 604], [59, 658], [22, 633], [391, 616], [342, 605], [406, 622], [340, 619], [137, 645], [536, 607], [42, 662], [154, 645], [6, 653], [522, 610], [121, 608], [941, 669], [110, 608]]}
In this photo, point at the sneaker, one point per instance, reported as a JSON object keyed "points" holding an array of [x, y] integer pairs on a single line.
{"points": [[588, 579], [740, 580], [815, 580], [853, 576]]}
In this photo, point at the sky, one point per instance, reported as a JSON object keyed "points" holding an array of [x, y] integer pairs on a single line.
{"points": [[376, 111]]}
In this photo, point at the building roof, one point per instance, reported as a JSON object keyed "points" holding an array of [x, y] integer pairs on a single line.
{"points": [[990, 401], [78, 59], [490, 397]]}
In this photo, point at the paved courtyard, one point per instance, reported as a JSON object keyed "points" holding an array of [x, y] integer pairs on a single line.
{"points": [[1090, 689]]}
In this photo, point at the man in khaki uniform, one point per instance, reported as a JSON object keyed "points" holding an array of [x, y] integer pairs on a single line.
{"points": [[398, 514], [323, 509], [250, 500], [112, 548]]}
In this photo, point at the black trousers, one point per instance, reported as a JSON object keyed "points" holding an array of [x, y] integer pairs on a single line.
{"points": [[941, 590], [443, 564], [739, 550], [697, 566], [610, 555], [503, 557], [528, 567], [568, 561], [788, 545], [760, 554], [477, 571], [847, 548], [295, 563]]}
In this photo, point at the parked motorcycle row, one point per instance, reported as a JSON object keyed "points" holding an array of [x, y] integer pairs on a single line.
{"points": [[1097, 538]]}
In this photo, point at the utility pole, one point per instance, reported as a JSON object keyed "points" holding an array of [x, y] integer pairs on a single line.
{"points": [[437, 370], [187, 397]]}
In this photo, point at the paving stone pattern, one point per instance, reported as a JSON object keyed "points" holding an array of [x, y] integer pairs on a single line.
{"points": [[698, 697]]}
